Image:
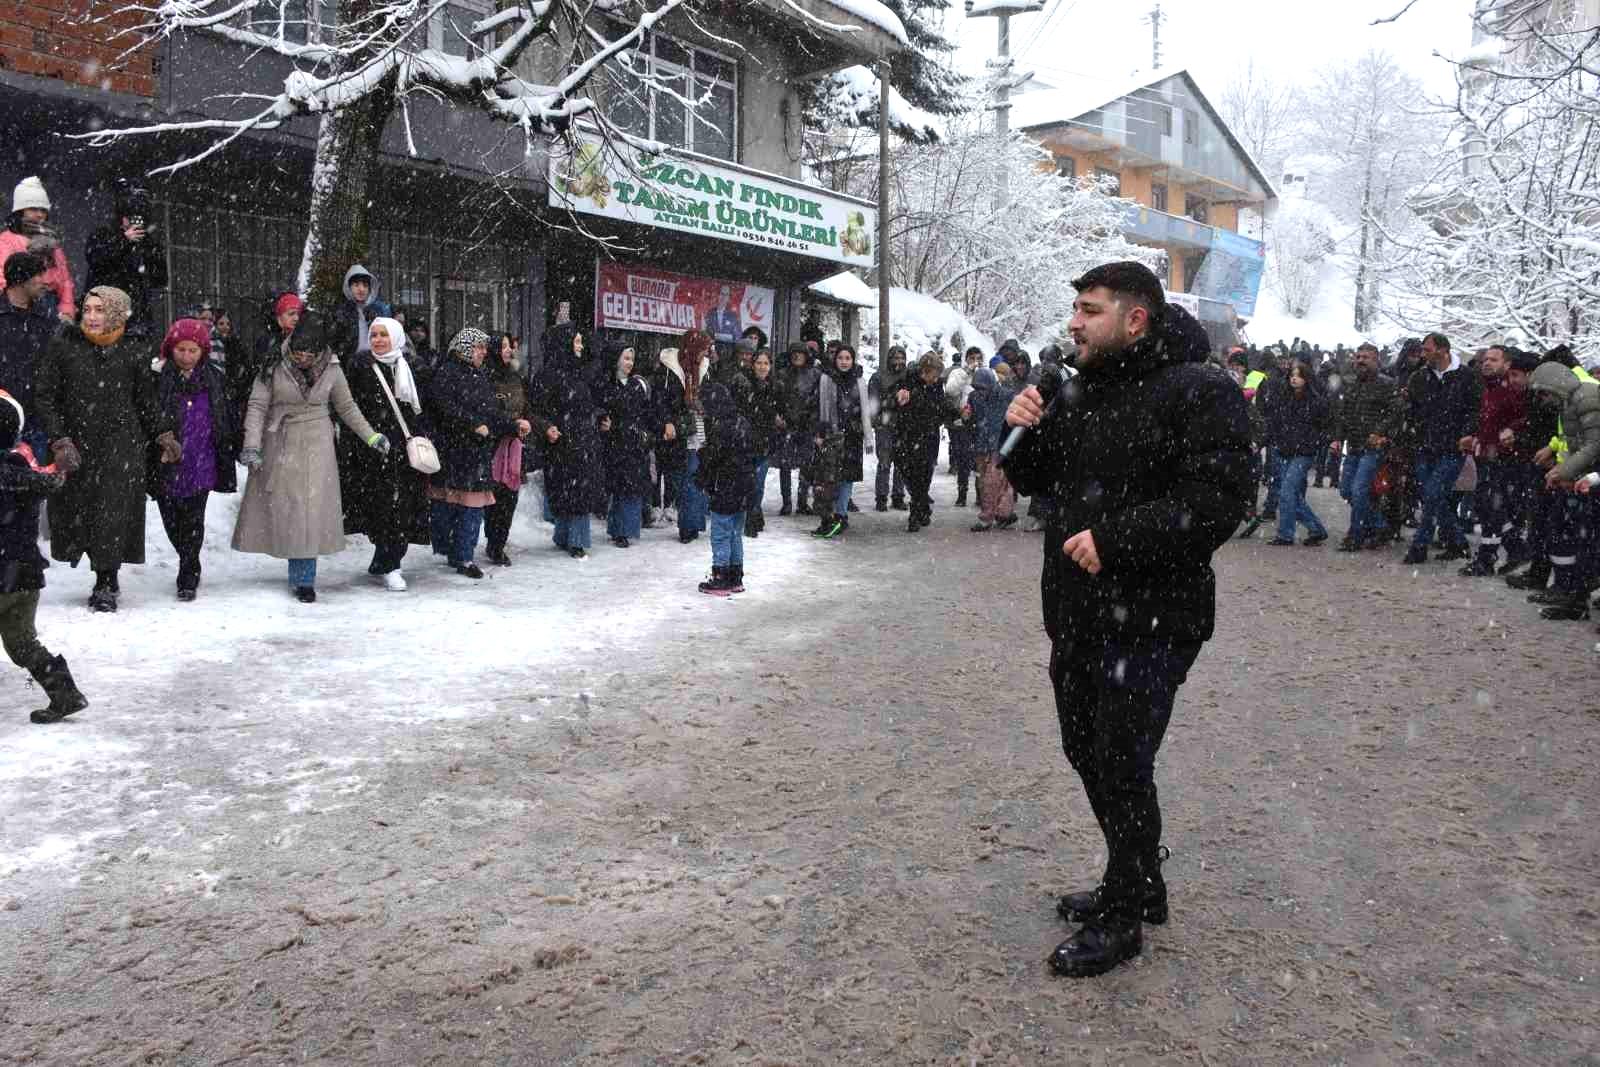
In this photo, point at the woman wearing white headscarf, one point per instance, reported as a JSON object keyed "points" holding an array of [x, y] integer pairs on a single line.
{"points": [[384, 497]]}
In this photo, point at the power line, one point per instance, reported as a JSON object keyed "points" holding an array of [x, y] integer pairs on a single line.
{"points": [[1062, 7]]}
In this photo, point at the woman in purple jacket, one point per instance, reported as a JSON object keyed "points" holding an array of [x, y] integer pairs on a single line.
{"points": [[192, 392]]}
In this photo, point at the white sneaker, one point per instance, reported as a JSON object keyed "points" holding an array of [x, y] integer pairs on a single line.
{"points": [[394, 582]]}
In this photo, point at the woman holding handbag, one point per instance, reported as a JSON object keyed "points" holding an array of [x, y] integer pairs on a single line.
{"points": [[385, 497]]}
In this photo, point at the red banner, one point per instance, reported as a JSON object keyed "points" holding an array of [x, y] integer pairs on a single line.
{"points": [[657, 301]]}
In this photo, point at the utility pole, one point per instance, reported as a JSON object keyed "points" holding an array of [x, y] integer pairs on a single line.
{"points": [[1157, 17], [883, 208], [1004, 79]]}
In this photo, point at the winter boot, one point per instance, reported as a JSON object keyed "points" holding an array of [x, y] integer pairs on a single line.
{"points": [[881, 504], [1098, 947], [825, 527], [104, 596], [899, 503], [761, 521], [751, 529], [786, 510], [1085, 906], [1537, 576], [56, 679], [717, 584], [735, 578]]}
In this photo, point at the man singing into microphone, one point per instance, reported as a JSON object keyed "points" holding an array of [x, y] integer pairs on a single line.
{"points": [[1147, 456]]}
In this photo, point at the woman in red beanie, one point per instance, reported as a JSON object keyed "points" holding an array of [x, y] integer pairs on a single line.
{"points": [[192, 392]]}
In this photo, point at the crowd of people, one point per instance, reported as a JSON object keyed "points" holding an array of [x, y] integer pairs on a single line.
{"points": [[347, 421], [1506, 441]]}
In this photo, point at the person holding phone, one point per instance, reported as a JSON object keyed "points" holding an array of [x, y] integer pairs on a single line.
{"points": [[128, 255]]}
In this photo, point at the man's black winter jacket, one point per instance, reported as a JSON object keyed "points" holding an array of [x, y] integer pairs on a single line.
{"points": [[1150, 452]]}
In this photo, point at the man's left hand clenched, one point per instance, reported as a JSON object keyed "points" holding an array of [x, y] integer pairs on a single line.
{"points": [[1081, 550]]}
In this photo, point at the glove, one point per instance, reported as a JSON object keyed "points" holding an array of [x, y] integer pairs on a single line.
{"points": [[66, 455], [250, 457], [171, 450], [381, 443]]}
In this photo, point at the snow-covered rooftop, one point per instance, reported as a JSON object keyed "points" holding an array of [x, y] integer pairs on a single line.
{"points": [[847, 288], [874, 14], [1040, 103]]}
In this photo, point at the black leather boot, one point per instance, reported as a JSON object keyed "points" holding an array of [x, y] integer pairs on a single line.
{"points": [[1087, 906], [55, 678], [1097, 948], [1537, 576]]}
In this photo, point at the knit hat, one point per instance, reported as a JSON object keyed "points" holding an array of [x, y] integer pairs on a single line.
{"points": [[1526, 362], [21, 266], [187, 330], [286, 302], [29, 193]]}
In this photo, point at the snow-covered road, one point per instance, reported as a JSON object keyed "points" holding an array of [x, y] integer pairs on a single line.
{"points": [[579, 813]]}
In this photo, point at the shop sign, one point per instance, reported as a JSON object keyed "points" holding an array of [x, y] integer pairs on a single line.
{"points": [[656, 301], [695, 196]]}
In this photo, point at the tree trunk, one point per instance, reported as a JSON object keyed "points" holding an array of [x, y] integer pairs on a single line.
{"points": [[340, 232], [1363, 313]]}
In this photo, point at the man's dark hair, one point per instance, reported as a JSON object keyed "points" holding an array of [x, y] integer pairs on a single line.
{"points": [[1367, 346], [1126, 278], [971, 349], [22, 267], [1562, 354], [1439, 340], [1236, 358]]}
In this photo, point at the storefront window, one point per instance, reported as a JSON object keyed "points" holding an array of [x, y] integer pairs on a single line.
{"points": [[680, 95]]}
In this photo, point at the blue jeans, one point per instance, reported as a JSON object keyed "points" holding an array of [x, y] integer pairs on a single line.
{"points": [[302, 573], [841, 498], [572, 531], [692, 503], [626, 517], [727, 540], [761, 485], [1274, 478], [455, 529], [1355, 486], [1292, 506], [1436, 477]]}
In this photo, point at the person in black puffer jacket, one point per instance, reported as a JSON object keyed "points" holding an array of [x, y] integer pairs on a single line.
{"points": [[920, 407], [22, 487], [726, 475], [635, 427], [1147, 454], [467, 422]]}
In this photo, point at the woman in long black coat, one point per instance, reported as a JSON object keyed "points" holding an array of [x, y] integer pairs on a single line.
{"points": [[635, 425], [96, 402], [511, 393], [467, 423], [763, 406], [839, 430], [566, 403], [384, 497]]}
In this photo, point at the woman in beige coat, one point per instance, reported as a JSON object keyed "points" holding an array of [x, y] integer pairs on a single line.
{"points": [[291, 506]]}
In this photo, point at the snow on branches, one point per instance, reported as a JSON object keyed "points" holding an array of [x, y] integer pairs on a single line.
{"points": [[1511, 249], [379, 47], [1005, 263]]}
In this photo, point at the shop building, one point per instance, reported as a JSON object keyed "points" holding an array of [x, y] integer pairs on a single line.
{"points": [[474, 228]]}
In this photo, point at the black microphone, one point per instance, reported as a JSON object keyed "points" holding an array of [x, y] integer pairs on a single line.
{"points": [[1014, 438]]}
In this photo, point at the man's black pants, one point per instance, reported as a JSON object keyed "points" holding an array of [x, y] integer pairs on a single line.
{"points": [[917, 464], [1114, 696]]}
